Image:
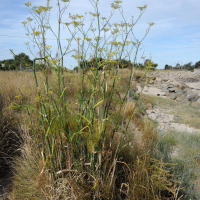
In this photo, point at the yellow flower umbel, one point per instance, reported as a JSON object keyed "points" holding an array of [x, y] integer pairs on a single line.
{"points": [[36, 33], [41, 9], [142, 7]]}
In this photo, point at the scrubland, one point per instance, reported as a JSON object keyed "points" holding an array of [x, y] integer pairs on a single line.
{"points": [[65, 149]]}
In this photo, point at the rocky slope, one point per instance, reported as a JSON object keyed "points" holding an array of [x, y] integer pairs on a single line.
{"points": [[181, 86]]}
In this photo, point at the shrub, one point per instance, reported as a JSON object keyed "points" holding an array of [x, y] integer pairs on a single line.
{"points": [[168, 67]]}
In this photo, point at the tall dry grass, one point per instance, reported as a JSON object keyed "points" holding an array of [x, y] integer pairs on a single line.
{"points": [[135, 175]]}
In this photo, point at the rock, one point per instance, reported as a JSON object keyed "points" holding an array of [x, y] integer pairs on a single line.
{"points": [[191, 96], [171, 89], [180, 99], [151, 82], [194, 99], [164, 89], [170, 86], [160, 86], [164, 78], [177, 83], [194, 85], [173, 96], [187, 90], [158, 79], [198, 101]]}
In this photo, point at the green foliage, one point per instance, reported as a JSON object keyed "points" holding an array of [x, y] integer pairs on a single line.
{"points": [[101, 62], [22, 57], [15, 63], [189, 66], [13, 67], [197, 65], [141, 66], [125, 64], [149, 64], [168, 67], [75, 69], [93, 63]]}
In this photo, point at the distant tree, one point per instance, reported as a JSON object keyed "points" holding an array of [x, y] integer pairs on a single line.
{"points": [[13, 67], [197, 65], [91, 63], [188, 66], [149, 63], [22, 57], [75, 69], [140, 66], [125, 64], [168, 67]]}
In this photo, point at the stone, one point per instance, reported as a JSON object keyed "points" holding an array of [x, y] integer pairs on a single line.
{"points": [[164, 78], [158, 79], [194, 99], [179, 99], [171, 89], [198, 101], [170, 86], [191, 96], [194, 85], [173, 96], [151, 82], [164, 89], [187, 90], [160, 87]]}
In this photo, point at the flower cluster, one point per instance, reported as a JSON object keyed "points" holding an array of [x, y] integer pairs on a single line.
{"points": [[28, 4], [65, 1], [117, 2], [69, 40], [88, 39], [29, 19], [115, 6], [98, 38], [36, 33], [74, 17], [115, 43], [41, 9], [105, 29], [94, 14], [24, 22], [142, 7]]}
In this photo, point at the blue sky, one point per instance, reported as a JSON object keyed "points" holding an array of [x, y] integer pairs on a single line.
{"points": [[174, 38]]}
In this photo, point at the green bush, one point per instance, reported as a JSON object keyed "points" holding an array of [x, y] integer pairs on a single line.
{"points": [[168, 67]]}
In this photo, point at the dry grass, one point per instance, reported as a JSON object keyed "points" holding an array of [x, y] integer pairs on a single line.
{"points": [[187, 115], [132, 176], [161, 102], [139, 176]]}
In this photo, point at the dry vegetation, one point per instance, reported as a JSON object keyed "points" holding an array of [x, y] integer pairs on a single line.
{"points": [[135, 174]]}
